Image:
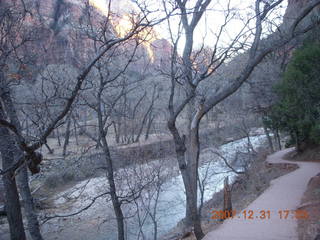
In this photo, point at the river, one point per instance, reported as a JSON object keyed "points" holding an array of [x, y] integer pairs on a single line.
{"points": [[162, 199]]}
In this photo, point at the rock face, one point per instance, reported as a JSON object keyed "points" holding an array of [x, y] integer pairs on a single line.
{"points": [[294, 7], [61, 27], [162, 51], [55, 21]]}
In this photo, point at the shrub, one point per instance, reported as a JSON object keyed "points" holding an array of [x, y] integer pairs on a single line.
{"points": [[298, 108]]}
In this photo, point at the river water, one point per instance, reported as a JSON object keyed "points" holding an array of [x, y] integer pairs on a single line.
{"points": [[162, 199]]}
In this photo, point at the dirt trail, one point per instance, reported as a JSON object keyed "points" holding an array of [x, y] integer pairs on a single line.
{"points": [[285, 193]]}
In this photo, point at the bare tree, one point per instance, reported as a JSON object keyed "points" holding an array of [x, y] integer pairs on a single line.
{"points": [[13, 36], [187, 148], [110, 87], [29, 156], [147, 113], [12, 198]]}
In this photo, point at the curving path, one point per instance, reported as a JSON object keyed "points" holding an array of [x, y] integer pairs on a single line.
{"points": [[284, 193]]}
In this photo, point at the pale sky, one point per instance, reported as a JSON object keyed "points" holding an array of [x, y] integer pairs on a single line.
{"points": [[210, 23]]}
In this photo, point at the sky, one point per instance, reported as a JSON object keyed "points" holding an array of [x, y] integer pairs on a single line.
{"points": [[208, 26]]}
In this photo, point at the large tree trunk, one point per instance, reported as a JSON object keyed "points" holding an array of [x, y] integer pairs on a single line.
{"points": [[193, 164], [23, 184], [22, 179], [12, 202], [189, 172]]}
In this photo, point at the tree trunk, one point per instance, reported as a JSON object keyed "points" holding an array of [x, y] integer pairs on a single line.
{"points": [[153, 216], [278, 139], [266, 131], [98, 145], [27, 128], [144, 120], [49, 149], [117, 132], [189, 172], [75, 131], [227, 202], [23, 180], [110, 172], [192, 196], [23, 184], [151, 118], [202, 190], [113, 191], [67, 136], [12, 203], [58, 137], [13, 208]]}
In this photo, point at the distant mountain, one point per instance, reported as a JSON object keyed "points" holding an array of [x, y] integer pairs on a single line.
{"points": [[55, 39], [162, 51], [57, 22], [60, 28]]}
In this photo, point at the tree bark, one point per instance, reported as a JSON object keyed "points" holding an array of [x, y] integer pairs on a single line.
{"points": [[189, 172], [193, 165], [28, 204], [22, 177], [227, 202], [12, 202]]}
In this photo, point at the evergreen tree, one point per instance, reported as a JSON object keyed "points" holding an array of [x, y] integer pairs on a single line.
{"points": [[298, 108]]}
